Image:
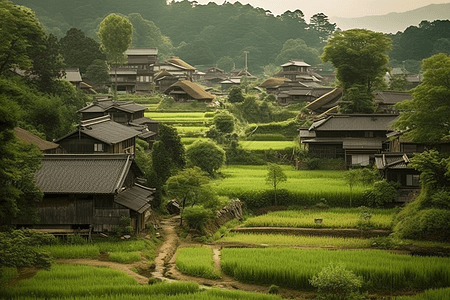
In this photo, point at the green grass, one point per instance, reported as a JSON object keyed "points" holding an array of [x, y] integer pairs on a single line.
{"points": [[290, 240], [266, 145], [124, 257], [248, 178], [190, 140], [191, 129], [93, 250], [92, 283], [177, 116], [7, 274], [197, 261], [294, 267], [438, 294], [332, 218]]}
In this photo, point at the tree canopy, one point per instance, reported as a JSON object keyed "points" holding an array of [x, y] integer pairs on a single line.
{"points": [[116, 34], [426, 117], [360, 56], [206, 155]]}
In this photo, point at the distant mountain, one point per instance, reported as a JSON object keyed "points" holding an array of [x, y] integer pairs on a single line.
{"points": [[394, 22]]}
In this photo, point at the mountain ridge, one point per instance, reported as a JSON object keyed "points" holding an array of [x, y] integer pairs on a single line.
{"points": [[394, 22]]}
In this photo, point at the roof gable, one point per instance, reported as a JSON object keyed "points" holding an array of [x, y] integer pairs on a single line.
{"points": [[192, 89], [83, 173], [27, 136]]}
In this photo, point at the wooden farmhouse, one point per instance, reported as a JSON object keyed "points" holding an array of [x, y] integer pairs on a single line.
{"points": [[394, 167], [126, 113], [137, 75], [298, 70], [163, 79], [354, 138], [185, 90], [99, 135], [90, 192], [176, 67]]}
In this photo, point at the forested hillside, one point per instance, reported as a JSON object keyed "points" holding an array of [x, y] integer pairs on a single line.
{"points": [[218, 35]]}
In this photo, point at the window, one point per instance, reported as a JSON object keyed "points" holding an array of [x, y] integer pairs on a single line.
{"points": [[360, 159], [98, 147], [368, 134], [412, 180]]}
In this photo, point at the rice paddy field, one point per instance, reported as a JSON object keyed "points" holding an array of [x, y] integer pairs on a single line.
{"points": [[89, 283], [250, 178], [174, 117], [266, 145], [295, 241], [331, 218], [381, 270], [197, 261]]}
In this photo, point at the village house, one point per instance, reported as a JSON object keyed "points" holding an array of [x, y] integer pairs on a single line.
{"points": [[176, 67], [99, 135], [354, 138], [136, 76], [298, 70], [123, 112], [90, 193], [394, 167], [185, 90]]}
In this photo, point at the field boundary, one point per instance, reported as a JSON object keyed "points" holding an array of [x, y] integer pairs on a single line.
{"points": [[335, 232]]}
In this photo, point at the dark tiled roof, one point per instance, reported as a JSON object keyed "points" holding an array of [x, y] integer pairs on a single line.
{"points": [[136, 198], [390, 97], [32, 138], [72, 75], [105, 105], [83, 173], [355, 122], [105, 130], [391, 161], [144, 120]]}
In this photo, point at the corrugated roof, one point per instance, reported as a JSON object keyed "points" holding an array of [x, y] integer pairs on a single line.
{"points": [[192, 89], [180, 62], [136, 198], [27, 136], [83, 173], [142, 51], [105, 130], [355, 122]]}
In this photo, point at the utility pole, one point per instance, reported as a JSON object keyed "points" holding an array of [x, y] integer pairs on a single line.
{"points": [[246, 52]]}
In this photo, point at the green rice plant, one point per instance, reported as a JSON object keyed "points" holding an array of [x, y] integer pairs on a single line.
{"points": [[72, 281], [177, 116], [332, 218], [122, 246], [293, 267], [6, 274], [291, 240], [124, 257], [190, 140], [266, 145], [438, 294], [197, 261], [72, 251]]}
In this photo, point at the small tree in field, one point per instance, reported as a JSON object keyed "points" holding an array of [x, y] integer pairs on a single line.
{"points": [[206, 155], [275, 176], [337, 283]]}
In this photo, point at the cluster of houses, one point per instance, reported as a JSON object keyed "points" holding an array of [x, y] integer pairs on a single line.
{"points": [[90, 179]]}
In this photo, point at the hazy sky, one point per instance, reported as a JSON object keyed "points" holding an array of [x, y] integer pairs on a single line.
{"points": [[334, 8]]}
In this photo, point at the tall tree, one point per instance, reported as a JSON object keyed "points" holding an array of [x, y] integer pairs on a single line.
{"points": [[207, 155], [172, 141], [116, 34], [320, 23], [18, 163], [359, 56], [21, 34], [80, 51], [275, 176], [426, 116]]}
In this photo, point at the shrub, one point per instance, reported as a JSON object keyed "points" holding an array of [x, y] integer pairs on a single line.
{"points": [[381, 193], [206, 155], [235, 95], [76, 240], [337, 283], [224, 122], [313, 163], [197, 216], [274, 289]]}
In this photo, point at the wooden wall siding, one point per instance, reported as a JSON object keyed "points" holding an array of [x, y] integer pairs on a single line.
{"points": [[105, 219], [91, 115], [66, 212], [81, 144]]}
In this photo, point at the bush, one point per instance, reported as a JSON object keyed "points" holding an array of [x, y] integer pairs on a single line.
{"points": [[224, 122], [197, 216], [313, 163], [381, 193], [337, 283], [206, 155]]}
